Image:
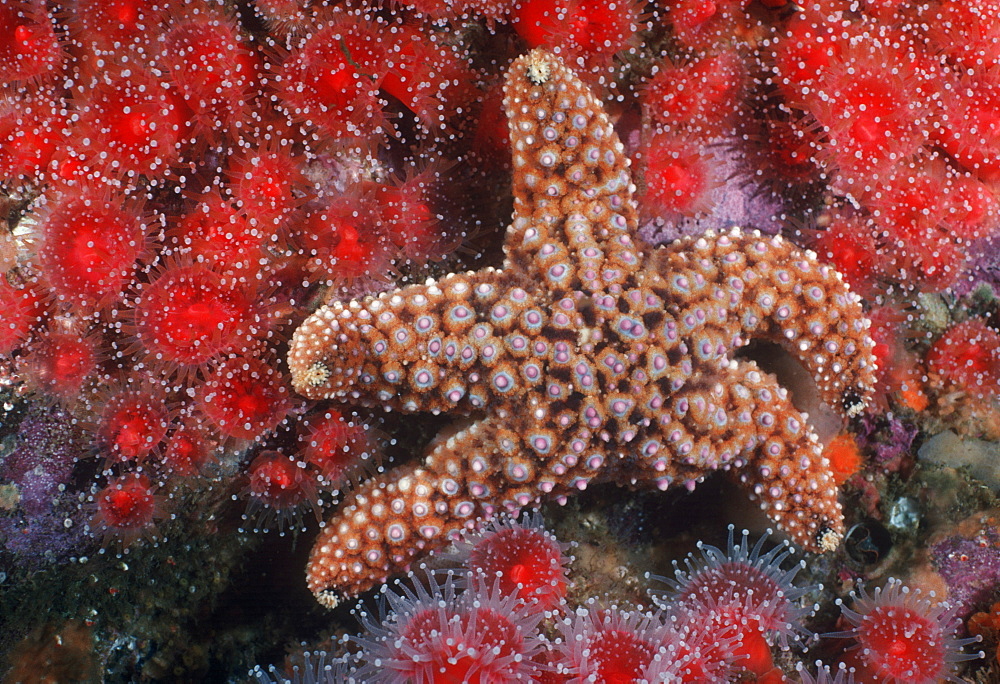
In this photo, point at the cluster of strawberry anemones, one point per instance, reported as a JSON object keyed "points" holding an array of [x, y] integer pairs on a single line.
{"points": [[185, 182], [497, 609]]}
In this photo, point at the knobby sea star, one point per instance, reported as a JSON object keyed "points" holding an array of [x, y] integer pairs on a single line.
{"points": [[587, 357]]}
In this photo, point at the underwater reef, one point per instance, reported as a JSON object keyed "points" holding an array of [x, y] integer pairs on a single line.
{"points": [[505, 320]]}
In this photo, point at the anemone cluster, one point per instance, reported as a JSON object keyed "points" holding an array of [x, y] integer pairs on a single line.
{"points": [[497, 609], [177, 199]]}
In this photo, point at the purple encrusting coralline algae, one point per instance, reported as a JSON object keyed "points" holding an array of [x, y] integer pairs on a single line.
{"points": [[887, 438], [983, 267], [970, 566], [43, 520]]}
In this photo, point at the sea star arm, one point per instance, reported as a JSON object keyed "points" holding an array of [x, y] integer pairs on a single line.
{"points": [[574, 214], [742, 421], [439, 346], [778, 292], [386, 522], [786, 470]]}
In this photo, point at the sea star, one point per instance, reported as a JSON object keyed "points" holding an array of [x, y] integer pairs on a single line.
{"points": [[585, 358]]}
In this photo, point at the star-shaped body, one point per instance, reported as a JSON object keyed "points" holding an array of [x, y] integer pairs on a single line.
{"points": [[587, 357]]}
